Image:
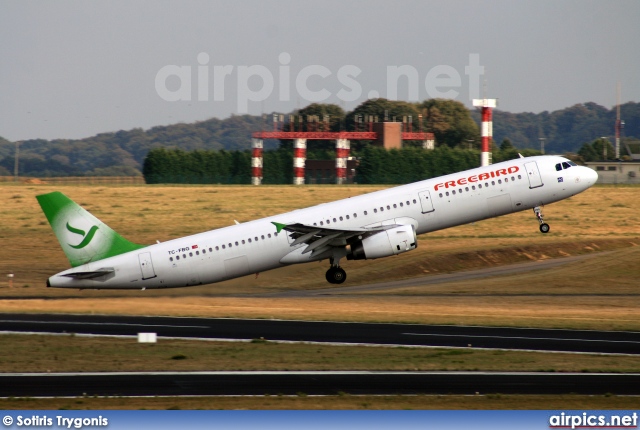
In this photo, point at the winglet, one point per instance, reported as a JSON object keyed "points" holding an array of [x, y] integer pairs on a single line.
{"points": [[279, 227]]}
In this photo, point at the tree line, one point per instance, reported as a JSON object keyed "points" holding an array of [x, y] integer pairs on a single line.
{"points": [[123, 152], [376, 165]]}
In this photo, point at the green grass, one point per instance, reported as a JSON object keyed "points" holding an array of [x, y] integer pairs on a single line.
{"points": [[68, 353]]}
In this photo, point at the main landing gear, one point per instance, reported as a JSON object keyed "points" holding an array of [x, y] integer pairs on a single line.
{"points": [[335, 274], [544, 227]]}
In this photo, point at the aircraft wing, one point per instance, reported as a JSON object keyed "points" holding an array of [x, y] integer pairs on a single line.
{"points": [[321, 239]]}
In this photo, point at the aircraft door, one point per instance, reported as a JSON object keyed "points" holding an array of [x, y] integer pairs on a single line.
{"points": [[146, 266], [535, 180], [426, 202]]}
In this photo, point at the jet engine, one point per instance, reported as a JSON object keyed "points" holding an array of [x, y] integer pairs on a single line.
{"points": [[385, 243]]}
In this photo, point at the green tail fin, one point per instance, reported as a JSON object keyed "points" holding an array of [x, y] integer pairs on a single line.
{"points": [[83, 237]]}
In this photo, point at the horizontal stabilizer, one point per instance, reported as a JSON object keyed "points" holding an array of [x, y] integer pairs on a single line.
{"points": [[90, 275]]}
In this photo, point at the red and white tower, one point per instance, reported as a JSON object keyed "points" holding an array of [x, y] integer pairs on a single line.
{"points": [[299, 159], [256, 161], [343, 147], [487, 128]]}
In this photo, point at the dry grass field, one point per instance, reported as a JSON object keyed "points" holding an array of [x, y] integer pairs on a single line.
{"points": [[597, 292]]}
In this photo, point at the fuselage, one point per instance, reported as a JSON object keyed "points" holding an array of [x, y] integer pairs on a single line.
{"points": [[255, 246]]}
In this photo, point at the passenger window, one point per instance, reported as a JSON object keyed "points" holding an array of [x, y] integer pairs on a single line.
{"points": [[197, 252], [381, 209], [170, 258], [211, 250], [493, 182], [334, 220], [499, 181], [388, 207], [401, 204], [447, 193], [375, 211], [356, 215], [177, 257], [519, 176], [236, 243], [191, 254], [269, 235], [440, 194], [466, 188], [395, 206], [224, 247], [217, 249], [243, 241], [340, 218], [414, 201], [256, 238], [262, 237], [365, 212], [453, 192], [230, 245], [249, 240], [408, 203]]}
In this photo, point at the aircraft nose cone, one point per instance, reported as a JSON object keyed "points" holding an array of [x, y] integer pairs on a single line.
{"points": [[590, 175]]}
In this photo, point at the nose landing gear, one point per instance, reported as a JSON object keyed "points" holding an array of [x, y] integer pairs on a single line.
{"points": [[544, 227]]}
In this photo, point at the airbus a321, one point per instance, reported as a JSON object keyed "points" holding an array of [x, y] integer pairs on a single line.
{"points": [[370, 226]]}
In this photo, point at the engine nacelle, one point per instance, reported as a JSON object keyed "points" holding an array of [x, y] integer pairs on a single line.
{"points": [[384, 244]]}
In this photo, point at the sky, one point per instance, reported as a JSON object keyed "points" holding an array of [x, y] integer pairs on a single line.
{"points": [[72, 69]]}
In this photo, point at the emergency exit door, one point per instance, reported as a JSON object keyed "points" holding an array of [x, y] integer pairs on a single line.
{"points": [[146, 266], [535, 180]]}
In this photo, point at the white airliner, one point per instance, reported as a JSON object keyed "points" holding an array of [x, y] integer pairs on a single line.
{"points": [[375, 225]]}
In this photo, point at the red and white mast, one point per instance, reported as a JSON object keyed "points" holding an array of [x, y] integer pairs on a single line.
{"points": [[343, 148], [256, 161], [487, 128], [299, 160]]}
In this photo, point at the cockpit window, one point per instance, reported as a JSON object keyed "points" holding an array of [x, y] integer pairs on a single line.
{"points": [[565, 165]]}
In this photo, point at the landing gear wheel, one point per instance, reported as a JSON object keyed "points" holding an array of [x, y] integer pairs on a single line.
{"points": [[544, 227], [336, 275]]}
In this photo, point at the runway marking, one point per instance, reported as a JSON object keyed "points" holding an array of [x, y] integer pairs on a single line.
{"points": [[105, 324], [519, 337]]}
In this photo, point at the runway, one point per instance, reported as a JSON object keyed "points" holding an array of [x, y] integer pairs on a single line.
{"points": [[576, 341], [320, 383], [313, 383]]}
